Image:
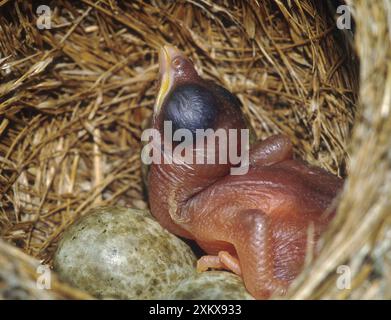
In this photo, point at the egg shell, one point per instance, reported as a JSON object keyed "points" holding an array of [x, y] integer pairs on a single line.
{"points": [[211, 285], [122, 253]]}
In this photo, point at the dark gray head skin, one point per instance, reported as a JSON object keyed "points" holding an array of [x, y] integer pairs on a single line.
{"points": [[190, 106], [224, 94]]}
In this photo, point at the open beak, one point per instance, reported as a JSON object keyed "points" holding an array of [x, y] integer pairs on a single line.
{"points": [[166, 55]]}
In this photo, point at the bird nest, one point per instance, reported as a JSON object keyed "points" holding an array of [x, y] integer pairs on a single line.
{"points": [[74, 98]]}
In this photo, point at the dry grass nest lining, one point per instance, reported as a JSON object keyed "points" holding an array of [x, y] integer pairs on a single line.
{"points": [[73, 100]]}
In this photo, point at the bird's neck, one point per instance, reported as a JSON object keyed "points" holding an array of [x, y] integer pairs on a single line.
{"points": [[173, 183]]}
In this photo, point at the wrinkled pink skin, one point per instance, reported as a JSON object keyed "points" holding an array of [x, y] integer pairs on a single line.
{"points": [[262, 217]]}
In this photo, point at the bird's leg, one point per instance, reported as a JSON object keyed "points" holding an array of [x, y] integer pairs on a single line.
{"points": [[253, 243], [271, 150], [250, 233]]}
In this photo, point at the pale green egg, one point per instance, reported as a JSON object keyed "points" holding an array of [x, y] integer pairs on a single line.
{"points": [[211, 285], [122, 253]]}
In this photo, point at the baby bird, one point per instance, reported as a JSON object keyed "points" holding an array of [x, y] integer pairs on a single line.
{"points": [[255, 224]]}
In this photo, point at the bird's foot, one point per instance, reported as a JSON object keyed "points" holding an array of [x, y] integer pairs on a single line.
{"points": [[223, 260]]}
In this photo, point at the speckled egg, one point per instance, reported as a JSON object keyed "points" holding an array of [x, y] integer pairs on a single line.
{"points": [[211, 285], [122, 253]]}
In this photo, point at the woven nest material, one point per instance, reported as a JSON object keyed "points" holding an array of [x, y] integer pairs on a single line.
{"points": [[73, 100]]}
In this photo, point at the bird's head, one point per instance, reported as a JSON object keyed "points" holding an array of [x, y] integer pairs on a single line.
{"points": [[189, 101]]}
